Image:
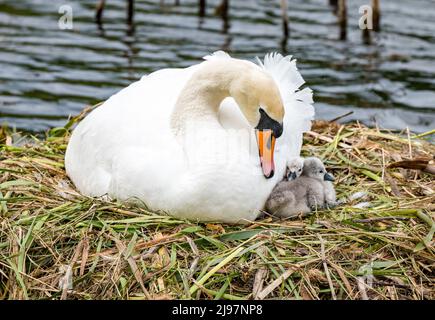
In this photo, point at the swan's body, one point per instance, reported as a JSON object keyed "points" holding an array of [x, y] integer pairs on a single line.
{"points": [[151, 140]]}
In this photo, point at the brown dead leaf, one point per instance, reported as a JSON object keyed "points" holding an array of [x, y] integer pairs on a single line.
{"points": [[215, 227]]}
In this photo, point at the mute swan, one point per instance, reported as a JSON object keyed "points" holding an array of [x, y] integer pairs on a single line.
{"points": [[183, 140]]}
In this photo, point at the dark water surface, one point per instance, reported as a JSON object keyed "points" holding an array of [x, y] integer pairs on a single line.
{"points": [[47, 73]]}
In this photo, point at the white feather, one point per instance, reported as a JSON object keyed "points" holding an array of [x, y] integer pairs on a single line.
{"points": [[217, 55]]}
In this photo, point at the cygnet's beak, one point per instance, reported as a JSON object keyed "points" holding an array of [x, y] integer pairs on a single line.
{"points": [[266, 146], [328, 177], [291, 176]]}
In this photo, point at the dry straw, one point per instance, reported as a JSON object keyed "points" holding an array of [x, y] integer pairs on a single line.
{"points": [[57, 244]]}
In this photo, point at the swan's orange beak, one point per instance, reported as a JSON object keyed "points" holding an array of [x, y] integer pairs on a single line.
{"points": [[266, 147]]}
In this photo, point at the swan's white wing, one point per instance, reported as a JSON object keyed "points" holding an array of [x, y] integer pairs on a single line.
{"points": [[133, 121]]}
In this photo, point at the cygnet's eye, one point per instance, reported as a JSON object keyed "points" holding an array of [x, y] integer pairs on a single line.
{"points": [[321, 171], [300, 170]]}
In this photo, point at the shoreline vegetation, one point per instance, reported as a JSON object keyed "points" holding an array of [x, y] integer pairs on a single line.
{"points": [[57, 244]]}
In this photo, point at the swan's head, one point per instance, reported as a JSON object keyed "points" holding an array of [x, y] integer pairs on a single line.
{"points": [[260, 101]]}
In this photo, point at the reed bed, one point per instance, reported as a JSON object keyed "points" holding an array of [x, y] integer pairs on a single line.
{"points": [[378, 244]]}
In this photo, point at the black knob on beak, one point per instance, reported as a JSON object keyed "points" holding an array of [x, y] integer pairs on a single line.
{"points": [[267, 122]]}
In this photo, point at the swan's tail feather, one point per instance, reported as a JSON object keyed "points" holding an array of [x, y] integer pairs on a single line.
{"points": [[217, 55]]}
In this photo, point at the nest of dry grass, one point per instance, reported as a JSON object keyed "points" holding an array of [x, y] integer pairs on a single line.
{"points": [[57, 244]]}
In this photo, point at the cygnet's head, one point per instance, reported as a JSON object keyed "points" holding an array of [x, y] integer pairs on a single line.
{"points": [[315, 169], [294, 168]]}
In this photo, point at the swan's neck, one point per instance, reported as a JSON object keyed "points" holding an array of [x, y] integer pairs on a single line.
{"points": [[199, 101]]}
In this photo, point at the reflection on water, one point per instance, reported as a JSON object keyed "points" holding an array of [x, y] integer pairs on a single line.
{"points": [[47, 74]]}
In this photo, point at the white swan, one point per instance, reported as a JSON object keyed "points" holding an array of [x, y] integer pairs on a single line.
{"points": [[183, 140]]}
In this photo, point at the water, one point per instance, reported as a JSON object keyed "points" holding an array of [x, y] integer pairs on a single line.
{"points": [[47, 74]]}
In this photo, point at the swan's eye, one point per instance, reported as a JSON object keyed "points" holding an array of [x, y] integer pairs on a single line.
{"points": [[300, 170]]}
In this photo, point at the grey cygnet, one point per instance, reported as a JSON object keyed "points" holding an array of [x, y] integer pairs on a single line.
{"points": [[312, 189], [314, 168]]}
